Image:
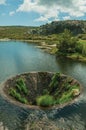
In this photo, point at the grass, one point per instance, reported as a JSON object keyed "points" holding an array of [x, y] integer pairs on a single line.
{"points": [[55, 81], [77, 57], [67, 95], [65, 98], [17, 96], [45, 101], [59, 93], [80, 52], [20, 91], [45, 91], [82, 41], [21, 86], [61, 90]]}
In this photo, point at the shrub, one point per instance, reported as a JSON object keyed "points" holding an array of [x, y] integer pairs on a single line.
{"points": [[67, 43], [45, 101], [17, 96], [24, 100], [84, 49], [55, 81], [18, 87], [21, 86], [45, 91], [79, 48], [66, 97], [12, 92]]}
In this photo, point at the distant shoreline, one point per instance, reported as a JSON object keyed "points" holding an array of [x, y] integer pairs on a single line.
{"points": [[5, 39], [47, 48], [39, 44]]}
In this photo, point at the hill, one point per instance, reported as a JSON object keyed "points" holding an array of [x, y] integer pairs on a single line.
{"points": [[15, 32], [77, 27], [55, 27]]}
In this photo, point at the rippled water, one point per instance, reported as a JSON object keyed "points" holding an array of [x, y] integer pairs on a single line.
{"points": [[19, 57]]}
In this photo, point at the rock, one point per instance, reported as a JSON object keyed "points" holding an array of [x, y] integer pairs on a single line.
{"points": [[76, 92], [43, 124], [2, 127]]}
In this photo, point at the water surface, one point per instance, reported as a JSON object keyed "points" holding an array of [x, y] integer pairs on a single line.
{"points": [[19, 57]]}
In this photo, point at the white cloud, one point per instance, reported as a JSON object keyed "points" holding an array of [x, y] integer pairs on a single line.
{"points": [[28, 6], [66, 17], [42, 18], [52, 8], [11, 13], [2, 2]]}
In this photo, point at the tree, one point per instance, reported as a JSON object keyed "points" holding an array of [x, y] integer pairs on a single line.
{"points": [[67, 43]]}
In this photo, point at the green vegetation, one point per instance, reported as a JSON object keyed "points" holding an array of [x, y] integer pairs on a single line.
{"points": [[70, 43], [45, 91], [55, 89], [61, 90], [67, 43], [77, 27], [64, 91], [65, 98], [16, 32], [56, 27], [84, 49], [71, 47], [21, 86], [17, 96], [45, 101], [55, 82], [20, 91], [69, 94]]}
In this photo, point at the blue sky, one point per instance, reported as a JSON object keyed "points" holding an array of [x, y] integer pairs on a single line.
{"points": [[38, 12]]}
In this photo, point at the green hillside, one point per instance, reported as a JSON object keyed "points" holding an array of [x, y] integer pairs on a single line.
{"points": [[55, 27], [16, 32], [77, 27]]}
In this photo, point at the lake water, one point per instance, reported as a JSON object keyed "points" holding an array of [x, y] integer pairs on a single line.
{"points": [[19, 57]]}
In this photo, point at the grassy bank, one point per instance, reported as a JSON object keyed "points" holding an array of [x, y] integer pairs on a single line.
{"points": [[81, 56], [48, 43], [77, 57]]}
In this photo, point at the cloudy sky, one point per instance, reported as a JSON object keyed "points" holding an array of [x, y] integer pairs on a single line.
{"points": [[38, 12]]}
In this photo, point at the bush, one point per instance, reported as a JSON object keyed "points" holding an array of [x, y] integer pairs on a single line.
{"points": [[55, 81], [45, 101], [84, 49], [66, 97], [67, 43], [18, 87], [12, 92], [45, 91], [17, 96], [21, 86], [79, 47], [24, 100]]}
